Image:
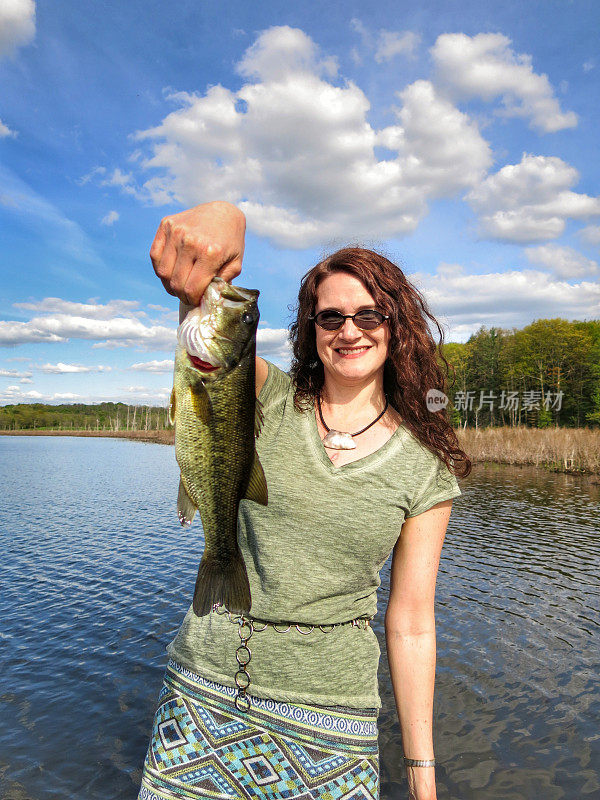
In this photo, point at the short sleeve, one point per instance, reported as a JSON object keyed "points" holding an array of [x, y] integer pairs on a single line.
{"points": [[438, 484], [275, 387]]}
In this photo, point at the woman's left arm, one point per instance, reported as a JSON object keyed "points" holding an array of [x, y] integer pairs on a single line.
{"points": [[410, 637]]}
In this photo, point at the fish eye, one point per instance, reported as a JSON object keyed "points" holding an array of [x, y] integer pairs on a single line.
{"points": [[247, 318]]}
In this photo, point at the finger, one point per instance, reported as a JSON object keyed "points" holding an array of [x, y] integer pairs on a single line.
{"points": [[197, 282], [158, 245], [165, 264], [179, 277], [230, 270]]}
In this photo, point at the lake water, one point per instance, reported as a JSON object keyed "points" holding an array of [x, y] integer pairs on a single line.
{"points": [[97, 575]]}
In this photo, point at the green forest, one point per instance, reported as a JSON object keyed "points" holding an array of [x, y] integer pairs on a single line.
{"points": [[545, 374], [78, 416]]}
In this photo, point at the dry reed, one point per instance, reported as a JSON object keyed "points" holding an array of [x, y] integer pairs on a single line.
{"points": [[556, 449]]}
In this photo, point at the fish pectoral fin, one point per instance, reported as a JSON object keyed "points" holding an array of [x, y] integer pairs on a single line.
{"points": [[186, 508], [257, 485], [172, 407], [258, 418], [201, 402]]}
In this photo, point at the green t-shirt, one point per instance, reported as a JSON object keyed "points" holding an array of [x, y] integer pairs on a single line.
{"points": [[313, 556]]}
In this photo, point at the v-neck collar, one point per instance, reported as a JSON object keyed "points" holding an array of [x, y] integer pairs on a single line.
{"points": [[400, 435]]}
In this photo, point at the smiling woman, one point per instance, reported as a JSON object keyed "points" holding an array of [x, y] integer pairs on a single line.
{"points": [[298, 718]]}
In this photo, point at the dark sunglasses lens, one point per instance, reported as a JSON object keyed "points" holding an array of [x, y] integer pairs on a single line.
{"points": [[329, 320], [368, 320]]}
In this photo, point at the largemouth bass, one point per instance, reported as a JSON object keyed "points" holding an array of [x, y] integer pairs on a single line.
{"points": [[214, 409]]}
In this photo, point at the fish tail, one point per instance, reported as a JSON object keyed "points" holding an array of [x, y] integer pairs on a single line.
{"points": [[222, 583]]}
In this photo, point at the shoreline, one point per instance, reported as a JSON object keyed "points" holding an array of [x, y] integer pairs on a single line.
{"points": [[574, 451], [157, 437]]}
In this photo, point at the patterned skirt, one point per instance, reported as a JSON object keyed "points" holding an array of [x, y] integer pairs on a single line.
{"points": [[203, 747]]}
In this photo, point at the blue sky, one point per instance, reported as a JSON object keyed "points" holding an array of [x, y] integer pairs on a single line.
{"points": [[461, 138]]}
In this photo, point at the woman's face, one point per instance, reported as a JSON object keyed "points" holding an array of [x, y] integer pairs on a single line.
{"points": [[349, 355]]}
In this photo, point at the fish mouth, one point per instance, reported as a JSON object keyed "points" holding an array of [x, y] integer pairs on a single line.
{"points": [[203, 366]]}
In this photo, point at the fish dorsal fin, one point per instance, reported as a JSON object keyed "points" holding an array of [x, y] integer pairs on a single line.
{"points": [[186, 508], [201, 402], [257, 485], [258, 418], [172, 407]]}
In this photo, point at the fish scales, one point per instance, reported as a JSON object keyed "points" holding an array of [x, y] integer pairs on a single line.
{"points": [[213, 406]]}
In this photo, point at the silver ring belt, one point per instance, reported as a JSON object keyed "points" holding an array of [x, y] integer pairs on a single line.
{"points": [[248, 625]]}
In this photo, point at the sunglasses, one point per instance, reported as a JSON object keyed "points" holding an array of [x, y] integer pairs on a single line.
{"points": [[366, 320]]}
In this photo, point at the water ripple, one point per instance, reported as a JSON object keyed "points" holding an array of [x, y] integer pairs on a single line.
{"points": [[97, 575]]}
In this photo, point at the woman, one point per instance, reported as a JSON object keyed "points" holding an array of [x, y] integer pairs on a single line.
{"points": [[357, 466]]}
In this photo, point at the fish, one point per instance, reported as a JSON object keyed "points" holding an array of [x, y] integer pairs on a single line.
{"points": [[217, 419]]}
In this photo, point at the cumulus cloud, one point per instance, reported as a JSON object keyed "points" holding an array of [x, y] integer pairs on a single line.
{"points": [[116, 322], [564, 262], [110, 218], [273, 343], [464, 302], [295, 150], [485, 66], [64, 369], [62, 327], [91, 310], [5, 131], [590, 234], [17, 25], [530, 201], [154, 366]]}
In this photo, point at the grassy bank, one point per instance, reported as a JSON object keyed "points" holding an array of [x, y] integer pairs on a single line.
{"points": [[557, 449]]}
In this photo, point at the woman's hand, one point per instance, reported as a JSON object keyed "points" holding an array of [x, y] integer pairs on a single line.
{"points": [[421, 783], [190, 248]]}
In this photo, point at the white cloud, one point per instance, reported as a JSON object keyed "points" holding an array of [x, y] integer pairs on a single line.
{"points": [[465, 301], [590, 234], [273, 343], [14, 394], [110, 218], [62, 327], [5, 131], [13, 373], [564, 262], [122, 180], [116, 323], [295, 151], [17, 25], [91, 310], [394, 43], [154, 366], [64, 369], [485, 66], [140, 396], [589, 65], [530, 201]]}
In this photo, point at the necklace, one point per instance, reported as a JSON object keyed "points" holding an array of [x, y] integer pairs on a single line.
{"points": [[340, 440]]}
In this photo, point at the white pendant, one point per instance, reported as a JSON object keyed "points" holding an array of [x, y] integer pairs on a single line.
{"points": [[338, 440]]}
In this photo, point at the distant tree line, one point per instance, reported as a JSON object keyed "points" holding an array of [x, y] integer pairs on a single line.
{"points": [[79, 416], [547, 373]]}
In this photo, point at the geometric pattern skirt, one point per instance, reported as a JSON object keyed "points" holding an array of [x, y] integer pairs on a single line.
{"points": [[203, 747]]}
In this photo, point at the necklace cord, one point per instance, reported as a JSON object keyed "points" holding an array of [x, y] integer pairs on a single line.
{"points": [[387, 402]]}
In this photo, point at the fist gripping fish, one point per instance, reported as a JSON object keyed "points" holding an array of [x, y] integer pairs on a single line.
{"points": [[216, 417]]}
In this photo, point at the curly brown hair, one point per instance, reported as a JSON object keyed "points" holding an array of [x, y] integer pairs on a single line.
{"points": [[412, 367]]}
